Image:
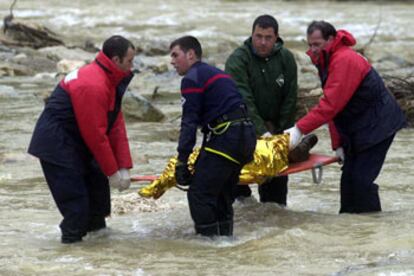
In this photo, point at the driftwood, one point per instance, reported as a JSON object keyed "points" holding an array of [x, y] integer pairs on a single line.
{"points": [[403, 90], [27, 35], [362, 50]]}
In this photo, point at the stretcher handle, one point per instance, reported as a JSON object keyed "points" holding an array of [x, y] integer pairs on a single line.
{"points": [[317, 173]]}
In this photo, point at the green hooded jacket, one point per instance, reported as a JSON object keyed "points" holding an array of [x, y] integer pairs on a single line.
{"points": [[268, 85]]}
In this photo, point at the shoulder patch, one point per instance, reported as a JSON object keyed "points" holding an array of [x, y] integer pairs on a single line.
{"points": [[280, 80], [182, 101], [71, 76]]}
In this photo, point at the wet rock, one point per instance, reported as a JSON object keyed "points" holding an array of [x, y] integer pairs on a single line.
{"points": [[10, 69], [128, 203], [6, 53], [307, 73], [146, 81], [173, 134], [216, 51], [160, 68], [58, 53], [307, 82], [27, 34], [66, 66], [317, 92], [158, 65], [138, 108], [43, 77], [43, 95], [4, 48], [301, 58], [36, 63], [90, 47], [307, 102], [7, 91], [153, 48]]}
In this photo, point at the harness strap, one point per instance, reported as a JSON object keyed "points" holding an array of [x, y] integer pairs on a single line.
{"points": [[221, 128]]}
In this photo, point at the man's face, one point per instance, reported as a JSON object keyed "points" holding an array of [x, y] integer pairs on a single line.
{"points": [[317, 43], [263, 40], [181, 60], [125, 63]]}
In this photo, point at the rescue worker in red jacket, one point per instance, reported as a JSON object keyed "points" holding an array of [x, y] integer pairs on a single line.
{"points": [[81, 140], [362, 114]]}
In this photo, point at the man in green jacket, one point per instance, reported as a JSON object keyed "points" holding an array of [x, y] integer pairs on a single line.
{"points": [[266, 75]]}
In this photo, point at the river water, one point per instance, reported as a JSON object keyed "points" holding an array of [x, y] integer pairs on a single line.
{"points": [[148, 237]]}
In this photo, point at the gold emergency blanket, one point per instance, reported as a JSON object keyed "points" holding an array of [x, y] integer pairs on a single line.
{"points": [[270, 158]]}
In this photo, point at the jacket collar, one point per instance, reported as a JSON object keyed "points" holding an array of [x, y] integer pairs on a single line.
{"points": [[114, 74], [342, 39]]}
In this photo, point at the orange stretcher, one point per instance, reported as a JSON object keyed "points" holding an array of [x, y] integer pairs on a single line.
{"points": [[314, 163]]}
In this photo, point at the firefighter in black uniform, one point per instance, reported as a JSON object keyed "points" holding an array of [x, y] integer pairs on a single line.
{"points": [[210, 100]]}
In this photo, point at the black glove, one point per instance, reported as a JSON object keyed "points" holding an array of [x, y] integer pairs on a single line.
{"points": [[182, 174]]}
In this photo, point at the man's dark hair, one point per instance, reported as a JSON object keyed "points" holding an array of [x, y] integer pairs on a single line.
{"points": [[326, 28], [117, 46], [266, 21], [188, 42]]}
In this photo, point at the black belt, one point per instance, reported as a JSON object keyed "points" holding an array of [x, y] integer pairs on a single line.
{"points": [[239, 113]]}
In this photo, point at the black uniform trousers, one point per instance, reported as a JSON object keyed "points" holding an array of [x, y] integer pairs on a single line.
{"points": [[209, 195], [359, 193], [274, 189], [83, 199], [210, 192]]}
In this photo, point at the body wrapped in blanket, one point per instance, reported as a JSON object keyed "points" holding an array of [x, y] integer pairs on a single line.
{"points": [[270, 158]]}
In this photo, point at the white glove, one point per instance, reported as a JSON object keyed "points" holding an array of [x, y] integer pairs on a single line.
{"points": [[294, 136], [115, 180], [339, 152], [125, 179], [267, 134]]}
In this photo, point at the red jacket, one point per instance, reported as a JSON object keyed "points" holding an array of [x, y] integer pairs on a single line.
{"points": [[92, 90], [346, 69]]}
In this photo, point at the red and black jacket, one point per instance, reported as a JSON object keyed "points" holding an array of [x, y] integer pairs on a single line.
{"points": [[356, 104], [82, 120]]}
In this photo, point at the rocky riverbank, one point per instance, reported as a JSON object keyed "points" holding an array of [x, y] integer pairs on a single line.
{"points": [[156, 78]]}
